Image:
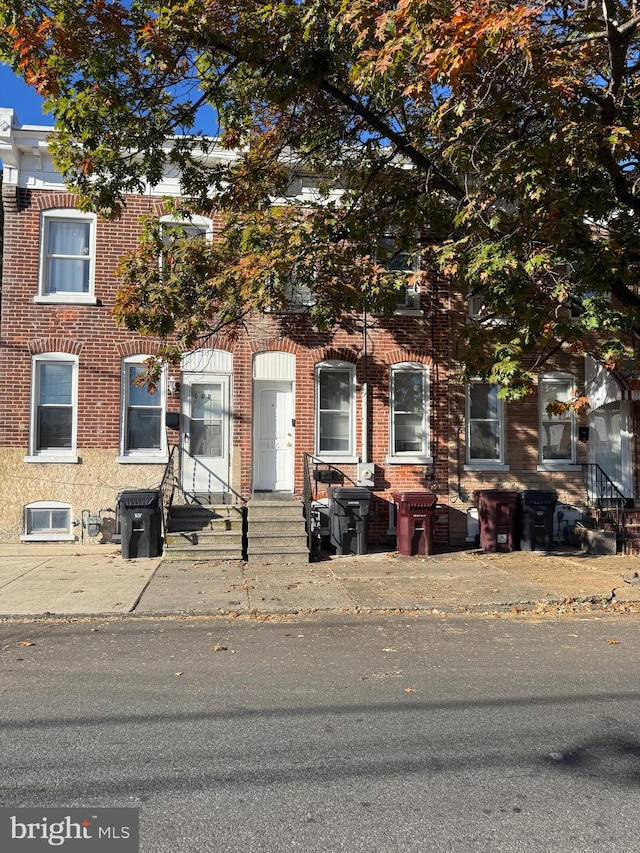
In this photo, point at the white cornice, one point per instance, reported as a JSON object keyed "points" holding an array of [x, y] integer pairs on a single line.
{"points": [[27, 163]]}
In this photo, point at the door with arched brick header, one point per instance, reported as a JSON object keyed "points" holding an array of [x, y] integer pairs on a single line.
{"points": [[273, 422], [205, 425]]}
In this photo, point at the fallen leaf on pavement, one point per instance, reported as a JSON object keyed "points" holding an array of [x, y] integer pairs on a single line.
{"points": [[613, 642], [26, 643], [218, 648]]}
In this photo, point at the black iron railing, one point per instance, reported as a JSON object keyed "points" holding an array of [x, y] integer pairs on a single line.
{"points": [[606, 499], [318, 473], [307, 499], [167, 489]]}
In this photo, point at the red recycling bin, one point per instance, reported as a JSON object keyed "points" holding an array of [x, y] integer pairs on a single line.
{"points": [[414, 523], [497, 516]]}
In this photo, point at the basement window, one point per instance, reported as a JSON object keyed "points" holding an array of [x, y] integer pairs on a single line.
{"points": [[47, 521]]}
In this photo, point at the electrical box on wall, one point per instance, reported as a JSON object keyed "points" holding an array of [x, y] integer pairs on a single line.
{"points": [[366, 474]]}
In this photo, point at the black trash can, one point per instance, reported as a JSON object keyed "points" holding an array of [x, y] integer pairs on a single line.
{"points": [[139, 516], [497, 517], [349, 519], [536, 520]]}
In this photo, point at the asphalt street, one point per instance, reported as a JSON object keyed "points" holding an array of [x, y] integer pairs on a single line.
{"points": [[328, 732]]}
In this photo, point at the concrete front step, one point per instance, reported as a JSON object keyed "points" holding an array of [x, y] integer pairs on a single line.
{"points": [[192, 516], [281, 529], [279, 557], [187, 525], [276, 530], [289, 513], [266, 541], [202, 552], [184, 538], [198, 532]]}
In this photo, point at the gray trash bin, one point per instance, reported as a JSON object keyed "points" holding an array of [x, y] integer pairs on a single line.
{"points": [[140, 523], [536, 520], [349, 519]]}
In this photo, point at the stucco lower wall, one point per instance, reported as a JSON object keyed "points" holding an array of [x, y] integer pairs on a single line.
{"points": [[91, 485]]}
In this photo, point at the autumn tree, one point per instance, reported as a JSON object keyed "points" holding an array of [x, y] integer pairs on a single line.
{"points": [[498, 139]]}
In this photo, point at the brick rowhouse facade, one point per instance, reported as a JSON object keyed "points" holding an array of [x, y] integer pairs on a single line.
{"points": [[89, 482], [470, 442]]}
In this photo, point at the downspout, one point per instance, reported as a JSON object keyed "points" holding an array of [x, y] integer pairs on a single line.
{"points": [[365, 396]]}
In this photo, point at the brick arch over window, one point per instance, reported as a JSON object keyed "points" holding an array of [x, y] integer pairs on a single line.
{"points": [[41, 345], [335, 354], [275, 344], [398, 355], [135, 346], [50, 201]]}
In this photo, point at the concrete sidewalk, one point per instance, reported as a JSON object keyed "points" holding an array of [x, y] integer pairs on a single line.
{"points": [[50, 580]]}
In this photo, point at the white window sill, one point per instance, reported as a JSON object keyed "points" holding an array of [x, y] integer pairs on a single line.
{"points": [[323, 459], [54, 458], [408, 312], [140, 459], [48, 537], [409, 460], [66, 299], [559, 466], [486, 466]]}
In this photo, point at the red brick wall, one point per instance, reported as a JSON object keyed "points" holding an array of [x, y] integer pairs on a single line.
{"points": [[89, 332]]}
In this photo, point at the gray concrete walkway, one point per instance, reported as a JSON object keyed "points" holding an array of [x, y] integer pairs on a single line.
{"points": [[50, 580]]}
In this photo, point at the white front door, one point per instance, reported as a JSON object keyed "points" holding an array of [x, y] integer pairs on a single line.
{"points": [[205, 463], [273, 436], [610, 444]]}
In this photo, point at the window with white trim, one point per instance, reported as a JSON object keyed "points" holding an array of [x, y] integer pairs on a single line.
{"points": [[298, 290], [557, 431], [335, 409], [173, 228], [403, 263], [67, 256], [54, 408], [143, 436], [409, 412], [485, 425], [47, 521], [475, 305]]}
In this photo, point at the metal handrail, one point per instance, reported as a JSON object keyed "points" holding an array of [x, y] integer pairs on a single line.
{"points": [[307, 499], [214, 483], [167, 489], [310, 490], [609, 502]]}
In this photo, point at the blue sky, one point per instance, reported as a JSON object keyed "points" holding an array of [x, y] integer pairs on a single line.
{"points": [[22, 98], [14, 93]]}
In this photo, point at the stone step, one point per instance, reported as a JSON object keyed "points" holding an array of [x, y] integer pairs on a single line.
{"points": [[185, 538], [299, 538], [279, 528], [279, 557], [203, 552], [214, 525], [210, 512], [275, 549], [285, 510]]}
